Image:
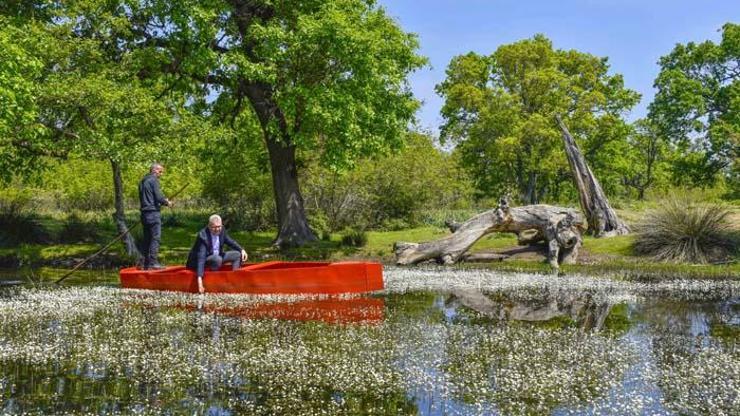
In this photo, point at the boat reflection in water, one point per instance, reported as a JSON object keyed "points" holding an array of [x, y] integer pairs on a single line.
{"points": [[335, 310]]}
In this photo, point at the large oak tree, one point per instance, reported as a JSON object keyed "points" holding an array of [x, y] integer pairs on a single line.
{"points": [[323, 76], [500, 109], [316, 76], [697, 107]]}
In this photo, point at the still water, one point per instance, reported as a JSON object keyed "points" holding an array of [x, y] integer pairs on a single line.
{"points": [[435, 342]]}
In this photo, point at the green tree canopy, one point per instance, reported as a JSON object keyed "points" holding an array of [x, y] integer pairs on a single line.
{"points": [[697, 107], [324, 76], [19, 71], [500, 110]]}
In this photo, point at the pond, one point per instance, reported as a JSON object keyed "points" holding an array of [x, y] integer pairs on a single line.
{"points": [[435, 342]]}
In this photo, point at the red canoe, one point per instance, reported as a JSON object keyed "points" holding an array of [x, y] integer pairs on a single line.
{"points": [[278, 277]]}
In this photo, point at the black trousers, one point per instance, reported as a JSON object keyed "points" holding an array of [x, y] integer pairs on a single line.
{"points": [[152, 222], [214, 261]]}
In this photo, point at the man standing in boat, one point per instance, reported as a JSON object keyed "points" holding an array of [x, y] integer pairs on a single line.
{"points": [[151, 199], [208, 249]]}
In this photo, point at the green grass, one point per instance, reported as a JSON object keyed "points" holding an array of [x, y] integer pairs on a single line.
{"points": [[619, 245], [611, 256]]}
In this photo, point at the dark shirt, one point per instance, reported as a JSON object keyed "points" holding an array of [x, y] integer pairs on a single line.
{"points": [[150, 196], [203, 247]]}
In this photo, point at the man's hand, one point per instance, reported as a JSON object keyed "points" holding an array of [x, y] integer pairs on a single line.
{"points": [[169, 203], [201, 289], [244, 256]]}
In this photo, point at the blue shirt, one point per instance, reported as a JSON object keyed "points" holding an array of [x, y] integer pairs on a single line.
{"points": [[215, 243]]}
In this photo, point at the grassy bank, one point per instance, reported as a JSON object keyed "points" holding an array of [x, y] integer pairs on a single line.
{"points": [[612, 256]]}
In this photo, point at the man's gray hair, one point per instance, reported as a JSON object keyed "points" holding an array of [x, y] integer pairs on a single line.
{"points": [[155, 166], [215, 219]]}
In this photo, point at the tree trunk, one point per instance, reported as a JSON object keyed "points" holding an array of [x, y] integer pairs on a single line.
{"points": [[602, 219], [293, 226], [561, 228], [294, 230], [119, 216]]}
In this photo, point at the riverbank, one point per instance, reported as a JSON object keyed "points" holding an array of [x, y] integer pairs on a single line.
{"points": [[605, 256]]}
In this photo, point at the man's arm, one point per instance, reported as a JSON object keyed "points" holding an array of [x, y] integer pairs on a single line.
{"points": [[233, 244], [201, 260], [158, 195]]}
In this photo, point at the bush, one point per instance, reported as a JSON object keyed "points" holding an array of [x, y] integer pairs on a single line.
{"points": [[389, 192], [172, 219], [682, 231], [75, 229], [18, 227], [394, 224], [354, 238]]}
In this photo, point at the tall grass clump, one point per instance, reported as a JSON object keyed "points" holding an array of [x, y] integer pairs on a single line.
{"points": [[682, 231], [353, 238]]}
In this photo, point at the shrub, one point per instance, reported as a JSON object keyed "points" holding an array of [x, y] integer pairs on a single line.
{"points": [[18, 227], [75, 229], [172, 219], [354, 238], [320, 225], [391, 191], [394, 224], [683, 231]]}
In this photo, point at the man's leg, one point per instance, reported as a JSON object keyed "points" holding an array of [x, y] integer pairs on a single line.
{"points": [[214, 261], [146, 242], [156, 235], [234, 257]]}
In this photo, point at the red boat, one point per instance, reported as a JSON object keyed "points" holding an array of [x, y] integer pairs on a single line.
{"points": [[277, 277]]}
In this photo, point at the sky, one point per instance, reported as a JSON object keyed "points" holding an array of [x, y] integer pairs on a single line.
{"points": [[633, 34]]}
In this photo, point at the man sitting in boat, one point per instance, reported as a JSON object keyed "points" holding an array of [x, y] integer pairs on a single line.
{"points": [[209, 250]]}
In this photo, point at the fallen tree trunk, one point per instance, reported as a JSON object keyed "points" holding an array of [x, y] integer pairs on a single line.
{"points": [[561, 228], [602, 220]]}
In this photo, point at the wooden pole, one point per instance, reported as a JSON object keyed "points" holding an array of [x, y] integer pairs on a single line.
{"points": [[105, 247]]}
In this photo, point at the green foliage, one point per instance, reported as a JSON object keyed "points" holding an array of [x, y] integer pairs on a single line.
{"points": [[94, 103], [19, 72], [353, 237], [684, 231], [237, 179], [320, 225], [697, 107], [17, 225], [77, 185], [77, 229], [500, 110], [647, 162], [392, 191]]}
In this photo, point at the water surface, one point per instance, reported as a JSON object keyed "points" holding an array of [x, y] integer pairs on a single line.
{"points": [[435, 342]]}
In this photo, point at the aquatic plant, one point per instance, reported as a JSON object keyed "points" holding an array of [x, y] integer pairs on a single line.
{"points": [[106, 350]]}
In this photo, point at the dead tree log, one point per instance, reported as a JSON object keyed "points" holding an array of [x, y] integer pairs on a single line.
{"points": [[602, 220], [561, 228]]}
